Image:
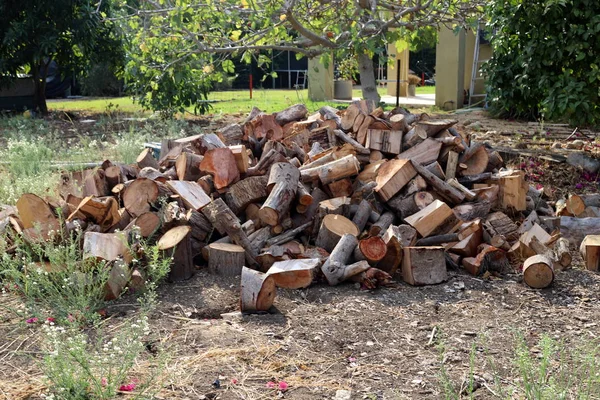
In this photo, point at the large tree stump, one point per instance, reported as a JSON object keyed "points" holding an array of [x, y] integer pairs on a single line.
{"points": [[334, 267], [139, 196], [424, 265], [176, 243], [226, 259], [258, 291], [283, 184], [538, 272], [332, 229]]}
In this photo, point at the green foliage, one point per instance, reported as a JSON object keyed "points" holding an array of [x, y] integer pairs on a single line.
{"points": [[101, 81], [35, 32], [545, 59], [348, 68]]}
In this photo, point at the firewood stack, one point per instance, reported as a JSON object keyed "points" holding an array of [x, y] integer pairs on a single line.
{"points": [[287, 199]]}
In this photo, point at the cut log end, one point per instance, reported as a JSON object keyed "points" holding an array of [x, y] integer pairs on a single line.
{"points": [[538, 272]]}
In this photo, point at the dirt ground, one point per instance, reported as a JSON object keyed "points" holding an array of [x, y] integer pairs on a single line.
{"points": [[384, 344]]}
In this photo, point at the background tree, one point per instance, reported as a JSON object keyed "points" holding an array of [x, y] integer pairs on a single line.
{"points": [[33, 33], [545, 59], [168, 36]]}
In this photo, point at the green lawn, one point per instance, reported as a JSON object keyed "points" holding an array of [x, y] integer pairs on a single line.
{"points": [[227, 102]]}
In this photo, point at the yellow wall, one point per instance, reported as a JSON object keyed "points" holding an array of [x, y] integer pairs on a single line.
{"points": [[320, 80], [395, 55], [450, 69]]}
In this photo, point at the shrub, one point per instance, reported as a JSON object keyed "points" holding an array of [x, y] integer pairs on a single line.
{"points": [[101, 81], [544, 62]]}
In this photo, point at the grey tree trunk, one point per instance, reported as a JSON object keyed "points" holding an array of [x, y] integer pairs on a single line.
{"points": [[367, 78]]}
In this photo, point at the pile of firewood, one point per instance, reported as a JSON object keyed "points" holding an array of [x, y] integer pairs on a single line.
{"points": [[287, 199]]}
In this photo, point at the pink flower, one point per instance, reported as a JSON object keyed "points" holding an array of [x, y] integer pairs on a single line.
{"points": [[283, 386], [32, 320], [579, 186], [71, 318], [127, 388], [234, 381], [104, 381], [270, 384], [50, 319], [351, 359]]}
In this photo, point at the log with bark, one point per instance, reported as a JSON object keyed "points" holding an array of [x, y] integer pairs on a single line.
{"points": [[176, 244], [283, 185], [424, 265], [226, 259], [332, 229], [257, 291]]}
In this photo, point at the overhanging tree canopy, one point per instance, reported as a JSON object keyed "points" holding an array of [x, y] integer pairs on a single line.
{"points": [[187, 40]]}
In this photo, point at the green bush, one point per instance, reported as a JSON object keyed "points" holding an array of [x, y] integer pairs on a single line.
{"points": [[101, 81], [545, 62]]}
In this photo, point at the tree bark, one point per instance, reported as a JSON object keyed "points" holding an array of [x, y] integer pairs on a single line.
{"points": [[367, 78]]}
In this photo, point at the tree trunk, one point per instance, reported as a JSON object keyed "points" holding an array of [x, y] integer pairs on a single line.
{"points": [[367, 78], [39, 84]]}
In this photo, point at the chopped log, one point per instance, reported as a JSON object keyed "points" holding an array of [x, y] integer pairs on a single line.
{"points": [[299, 152], [332, 171], [176, 243], [370, 171], [488, 195], [187, 166], [35, 212], [124, 220], [372, 249], [139, 196], [392, 177], [347, 139], [563, 253], [424, 153], [294, 274], [383, 223], [250, 190], [362, 215], [590, 252], [361, 133], [241, 157], [309, 214], [469, 195], [231, 134], [113, 176], [226, 259], [265, 163], [417, 184], [331, 114], [191, 193], [259, 238], [146, 159], [469, 245], [221, 164], [372, 278], [413, 137], [472, 211], [148, 223], [287, 236], [106, 247], [375, 156], [168, 159], [104, 213], [152, 174], [535, 232], [341, 188], [442, 188], [575, 205], [436, 169], [117, 280], [398, 123], [513, 191], [290, 114], [385, 141], [538, 272], [94, 183], [405, 234], [258, 291], [435, 219], [411, 204], [451, 165], [353, 208], [334, 267], [349, 117], [283, 181], [438, 240], [205, 142], [393, 255], [424, 266], [207, 183], [225, 221], [332, 229], [499, 223], [476, 159]]}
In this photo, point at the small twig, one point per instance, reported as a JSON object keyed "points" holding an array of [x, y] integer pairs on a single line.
{"points": [[572, 134], [432, 336]]}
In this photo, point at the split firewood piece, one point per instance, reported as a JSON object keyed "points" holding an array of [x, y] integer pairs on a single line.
{"points": [[392, 177], [259, 238], [451, 165], [207, 183], [405, 234], [590, 252], [417, 184], [187, 166], [353, 208], [472, 211], [334, 267], [438, 240], [476, 159], [426, 129], [499, 223], [148, 223], [290, 114], [349, 117], [467, 247], [338, 169], [513, 191], [371, 249], [424, 153], [35, 212], [271, 255], [124, 219], [383, 223], [294, 274], [332, 229], [104, 213], [113, 176], [226, 259], [398, 123], [435, 219], [410, 204], [221, 164], [341, 188], [140, 195], [176, 243], [231, 134], [469, 195], [361, 134], [385, 141], [250, 190], [361, 217], [106, 247], [436, 169], [331, 115], [289, 235], [283, 185], [575, 205], [424, 265], [191, 193], [94, 183], [117, 280], [242, 160], [372, 278], [563, 253], [393, 255], [226, 222], [360, 149], [265, 126], [538, 272], [265, 163], [258, 291], [442, 188], [204, 143], [310, 211], [146, 159], [150, 173], [524, 241]]}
